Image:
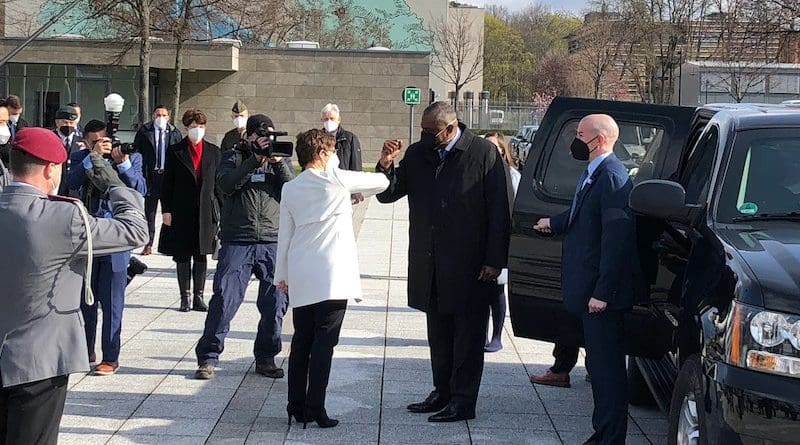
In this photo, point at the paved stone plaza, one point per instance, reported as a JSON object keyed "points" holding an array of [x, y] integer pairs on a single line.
{"points": [[380, 366]]}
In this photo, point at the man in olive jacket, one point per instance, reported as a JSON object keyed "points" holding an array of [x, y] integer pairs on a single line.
{"points": [[251, 185], [458, 243]]}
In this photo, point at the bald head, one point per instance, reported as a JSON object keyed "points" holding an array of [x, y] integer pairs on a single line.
{"points": [[601, 129]]}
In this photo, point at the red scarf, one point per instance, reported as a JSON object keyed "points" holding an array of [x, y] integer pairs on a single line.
{"points": [[196, 151]]}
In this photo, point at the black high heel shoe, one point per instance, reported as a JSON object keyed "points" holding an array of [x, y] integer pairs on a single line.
{"points": [[321, 418], [297, 414]]}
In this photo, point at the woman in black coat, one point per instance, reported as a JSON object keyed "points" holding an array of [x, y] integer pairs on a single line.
{"points": [[190, 207]]}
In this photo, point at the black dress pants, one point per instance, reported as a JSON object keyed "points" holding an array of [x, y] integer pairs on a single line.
{"points": [[567, 344], [456, 342], [151, 203], [316, 332], [605, 359], [30, 413]]}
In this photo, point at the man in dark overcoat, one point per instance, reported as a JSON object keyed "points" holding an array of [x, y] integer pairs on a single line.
{"points": [[458, 243]]}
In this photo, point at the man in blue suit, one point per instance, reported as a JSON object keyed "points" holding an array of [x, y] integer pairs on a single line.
{"points": [[598, 269], [109, 275]]}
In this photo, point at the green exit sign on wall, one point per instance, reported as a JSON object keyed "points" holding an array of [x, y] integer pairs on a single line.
{"points": [[412, 95]]}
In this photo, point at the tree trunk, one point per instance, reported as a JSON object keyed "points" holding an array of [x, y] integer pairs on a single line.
{"points": [[176, 91], [597, 81], [179, 41], [455, 100], [144, 63]]}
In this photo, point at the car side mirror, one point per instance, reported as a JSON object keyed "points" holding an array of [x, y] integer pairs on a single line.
{"points": [[660, 199]]}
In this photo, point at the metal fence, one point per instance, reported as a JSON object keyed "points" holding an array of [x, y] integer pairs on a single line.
{"points": [[501, 116]]}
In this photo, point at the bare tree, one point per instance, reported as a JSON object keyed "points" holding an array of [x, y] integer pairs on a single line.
{"points": [[600, 43], [747, 46], [457, 56]]}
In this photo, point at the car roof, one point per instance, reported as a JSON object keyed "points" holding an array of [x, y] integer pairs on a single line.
{"points": [[753, 116]]}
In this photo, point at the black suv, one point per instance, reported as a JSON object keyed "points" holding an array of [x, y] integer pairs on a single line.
{"points": [[716, 339]]}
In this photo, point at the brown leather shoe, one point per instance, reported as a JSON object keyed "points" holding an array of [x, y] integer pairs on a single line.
{"points": [[550, 378], [148, 250], [106, 368]]}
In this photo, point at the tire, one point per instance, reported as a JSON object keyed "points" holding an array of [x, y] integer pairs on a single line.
{"points": [[689, 389], [638, 392]]}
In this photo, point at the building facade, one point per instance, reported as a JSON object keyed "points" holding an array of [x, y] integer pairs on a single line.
{"points": [[289, 85]]}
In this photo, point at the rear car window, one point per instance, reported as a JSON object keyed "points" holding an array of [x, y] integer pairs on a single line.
{"points": [[562, 172]]}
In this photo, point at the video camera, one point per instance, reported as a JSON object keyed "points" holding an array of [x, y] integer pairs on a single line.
{"points": [[114, 103], [282, 149]]}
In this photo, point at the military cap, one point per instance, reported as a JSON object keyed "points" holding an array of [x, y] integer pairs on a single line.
{"points": [[41, 144], [67, 112], [239, 107]]}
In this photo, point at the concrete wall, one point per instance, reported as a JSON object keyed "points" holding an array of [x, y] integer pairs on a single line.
{"points": [[292, 86]]}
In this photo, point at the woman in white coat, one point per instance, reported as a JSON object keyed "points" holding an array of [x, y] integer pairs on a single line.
{"points": [[317, 265]]}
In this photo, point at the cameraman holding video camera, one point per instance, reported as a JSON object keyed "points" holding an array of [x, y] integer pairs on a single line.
{"points": [[110, 272], [251, 184]]}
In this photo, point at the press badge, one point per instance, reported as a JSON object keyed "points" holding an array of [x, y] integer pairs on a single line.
{"points": [[258, 177]]}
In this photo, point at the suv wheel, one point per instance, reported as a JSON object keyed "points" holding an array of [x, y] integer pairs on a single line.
{"points": [[687, 408]]}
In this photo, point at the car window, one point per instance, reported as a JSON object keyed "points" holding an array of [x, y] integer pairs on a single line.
{"points": [[699, 165], [762, 176], [561, 177]]}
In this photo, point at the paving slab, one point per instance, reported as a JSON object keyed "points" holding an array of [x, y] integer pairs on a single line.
{"points": [[381, 365]]}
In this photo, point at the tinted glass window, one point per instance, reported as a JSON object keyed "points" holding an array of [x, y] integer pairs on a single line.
{"points": [[563, 171], [763, 176], [697, 177]]}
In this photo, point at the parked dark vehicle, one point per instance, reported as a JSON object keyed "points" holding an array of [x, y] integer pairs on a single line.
{"points": [[520, 144], [716, 340]]}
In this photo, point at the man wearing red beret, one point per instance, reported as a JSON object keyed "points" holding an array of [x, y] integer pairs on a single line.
{"points": [[48, 242]]}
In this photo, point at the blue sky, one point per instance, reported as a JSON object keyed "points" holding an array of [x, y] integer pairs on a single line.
{"points": [[575, 6]]}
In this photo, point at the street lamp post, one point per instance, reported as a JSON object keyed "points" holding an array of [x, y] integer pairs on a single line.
{"points": [[680, 75]]}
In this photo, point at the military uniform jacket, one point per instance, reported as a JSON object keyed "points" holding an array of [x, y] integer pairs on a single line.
{"points": [[42, 265]]}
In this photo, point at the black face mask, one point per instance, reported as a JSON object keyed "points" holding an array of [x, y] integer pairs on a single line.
{"points": [[66, 130], [428, 140], [580, 150]]}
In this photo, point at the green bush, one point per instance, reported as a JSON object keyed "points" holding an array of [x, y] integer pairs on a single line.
{"points": [[482, 131]]}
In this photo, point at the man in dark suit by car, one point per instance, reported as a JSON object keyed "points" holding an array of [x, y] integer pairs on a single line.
{"points": [[458, 243], [152, 141], [599, 269]]}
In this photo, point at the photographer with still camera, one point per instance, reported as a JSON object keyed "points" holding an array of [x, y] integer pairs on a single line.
{"points": [[109, 272], [251, 178], [46, 250]]}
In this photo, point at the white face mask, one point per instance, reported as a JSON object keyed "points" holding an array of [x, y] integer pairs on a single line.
{"points": [[196, 134], [333, 162], [240, 122], [161, 122], [5, 134], [330, 125], [14, 118]]}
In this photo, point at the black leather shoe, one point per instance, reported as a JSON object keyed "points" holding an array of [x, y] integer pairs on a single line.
{"points": [[432, 404], [453, 413], [269, 370]]}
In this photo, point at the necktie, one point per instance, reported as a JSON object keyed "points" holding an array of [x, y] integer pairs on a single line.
{"points": [[13, 127], [442, 154], [160, 151], [578, 190]]}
